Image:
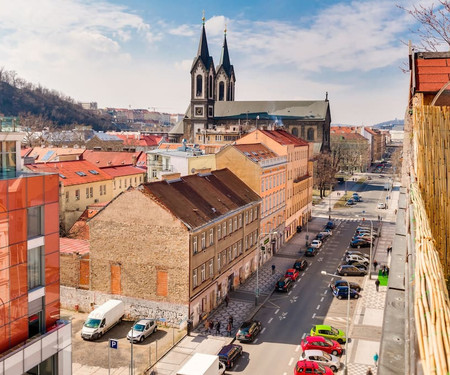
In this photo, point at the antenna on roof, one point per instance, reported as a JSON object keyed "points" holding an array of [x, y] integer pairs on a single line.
{"points": [[326, 96]]}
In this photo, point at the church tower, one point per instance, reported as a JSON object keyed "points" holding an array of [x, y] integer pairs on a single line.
{"points": [[225, 79], [203, 78]]}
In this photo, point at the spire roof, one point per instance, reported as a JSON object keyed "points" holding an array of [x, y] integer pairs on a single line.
{"points": [[203, 52], [225, 57]]}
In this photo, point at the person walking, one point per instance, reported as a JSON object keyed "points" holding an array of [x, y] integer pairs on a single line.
{"points": [[229, 329], [230, 320], [218, 328], [375, 265], [377, 284], [369, 371], [273, 269], [227, 299], [375, 359], [389, 250]]}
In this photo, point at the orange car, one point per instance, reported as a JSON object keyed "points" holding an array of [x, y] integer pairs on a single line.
{"points": [[292, 273]]}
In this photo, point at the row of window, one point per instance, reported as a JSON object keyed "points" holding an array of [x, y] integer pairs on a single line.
{"points": [[273, 181], [272, 201], [221, 88], [125, 181], [206, 270], [222, 230]]}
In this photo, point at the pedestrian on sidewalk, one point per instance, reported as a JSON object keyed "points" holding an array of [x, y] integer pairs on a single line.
{"points": [[218, 328], [369, 371], [375, 359], [230, 320], [273, 269], [375, 265], [229, 329], [227, 299], [377, 284], [389, 250]]}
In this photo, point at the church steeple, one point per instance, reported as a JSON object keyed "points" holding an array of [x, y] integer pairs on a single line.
{"points": [[203, 51], [225, 57]]}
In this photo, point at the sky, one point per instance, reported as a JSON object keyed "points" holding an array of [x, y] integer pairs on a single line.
{"points": [[138, 53]]}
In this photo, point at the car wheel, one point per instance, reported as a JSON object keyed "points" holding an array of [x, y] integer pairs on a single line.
{"points": [[340, 341], [231, 364], [333, 368], [358, 289], [334, 352], [345, 273], [356, 296], [141, 338], [156, 328], [339, 297]]}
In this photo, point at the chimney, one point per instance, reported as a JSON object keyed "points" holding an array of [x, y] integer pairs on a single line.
{"points": [[134, 160]]}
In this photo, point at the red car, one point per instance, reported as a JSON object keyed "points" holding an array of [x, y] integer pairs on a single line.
{"points": [[292, 273], [311, 367], [321, 343]]}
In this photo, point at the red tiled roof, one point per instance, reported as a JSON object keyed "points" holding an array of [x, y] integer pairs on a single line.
{"points": [[175, 146], [73, 245], [67, 171], [284, 138], [432, 71], [25, 151], [124, 170], [103, 159], [342, 129], [141, 140], [256, 151], [350, 136]]}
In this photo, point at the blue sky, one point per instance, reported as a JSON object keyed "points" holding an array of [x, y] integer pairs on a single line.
{"points": [[138, 53]]}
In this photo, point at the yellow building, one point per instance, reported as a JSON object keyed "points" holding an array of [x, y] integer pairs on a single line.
{"points": [[299, 173], [265, 173]]}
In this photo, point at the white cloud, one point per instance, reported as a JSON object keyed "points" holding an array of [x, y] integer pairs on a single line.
{"points": [[183, 30]]}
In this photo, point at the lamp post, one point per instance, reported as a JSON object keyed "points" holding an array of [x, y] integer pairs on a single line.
{"points": [[132, 340], [257, 264], [329, 204], [348, 317]]}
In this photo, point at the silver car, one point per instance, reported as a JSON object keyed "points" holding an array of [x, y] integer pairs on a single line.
{"points": [[142, 329], [323, 358]]}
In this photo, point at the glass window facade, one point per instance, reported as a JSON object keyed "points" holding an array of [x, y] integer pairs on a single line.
{"points": [[35, 226], [34, 267]]}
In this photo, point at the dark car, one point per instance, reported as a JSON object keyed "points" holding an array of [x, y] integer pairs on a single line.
{"points": [[348, 270], [284, 284], [248, 331], [300, 264], [330, 225], [350, 202], [357, 199], [357, 264], [360, 243], [229, 354], [320, 237], [311, 251], [339, 283], [342, 292]]}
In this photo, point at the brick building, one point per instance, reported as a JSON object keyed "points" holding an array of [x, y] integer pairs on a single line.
{"points": [[181, 244], [33, 339]]}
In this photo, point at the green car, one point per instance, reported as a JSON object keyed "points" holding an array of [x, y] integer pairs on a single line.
{"points": [[328, 332]]}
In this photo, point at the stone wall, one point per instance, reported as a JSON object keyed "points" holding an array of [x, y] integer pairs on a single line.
{"points": [[69, 270], [135, 308]]}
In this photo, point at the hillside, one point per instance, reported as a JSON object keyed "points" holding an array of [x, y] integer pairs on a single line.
{"points": [[52, 106]]}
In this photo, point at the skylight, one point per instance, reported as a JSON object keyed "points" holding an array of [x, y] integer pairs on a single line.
{"points": [[92, 171], [81, 174], [62, 176]]}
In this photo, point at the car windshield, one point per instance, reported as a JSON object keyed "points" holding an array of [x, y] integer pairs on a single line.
{"points": [[246, 325], [321, 368], [92, 323], [139, 327], [289, 273], [334, 331], [328, 341], [326, 356]]}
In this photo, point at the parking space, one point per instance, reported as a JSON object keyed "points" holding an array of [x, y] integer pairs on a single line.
{"points": [[91, 357]]}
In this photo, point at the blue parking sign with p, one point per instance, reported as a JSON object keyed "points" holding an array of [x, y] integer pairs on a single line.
{"points": [[113, 344]]}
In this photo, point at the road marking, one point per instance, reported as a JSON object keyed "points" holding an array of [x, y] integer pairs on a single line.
{"points": [[321, 300], [276, 311], [318, 307], [262, 331], [314, 315], [291, 361], [297, 348], [304, 335], [326, 291], [255, 340], [289, 293], [295, 285], [270, 320], [300, 279]]}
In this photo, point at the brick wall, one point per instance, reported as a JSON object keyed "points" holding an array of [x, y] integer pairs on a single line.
{"points": [[70, 270], [142, 238]]}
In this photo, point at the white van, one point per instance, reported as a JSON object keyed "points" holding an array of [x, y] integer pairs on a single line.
{"points": [[102, 319]]}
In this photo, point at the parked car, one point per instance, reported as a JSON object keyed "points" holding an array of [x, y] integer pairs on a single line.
{"points": [[284, 284], [363, 236], [323, 358], [142, 329], [311, 251], [328, 332], [248, 331], [310, 367], [102, 319], [292, 273], [327, 232], [366, 231], [320, 237], [341, 292], [300, 264], [229, 354], [316, 243], [350, 202], [350, 270], [360, 243], [357, 252], [357, 199], [357, 258], [329, 225], [355, 194], [381, 205], [341, 282], [321, 343]]}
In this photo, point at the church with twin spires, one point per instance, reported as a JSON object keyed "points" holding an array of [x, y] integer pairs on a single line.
{"points": [[214, 116]]}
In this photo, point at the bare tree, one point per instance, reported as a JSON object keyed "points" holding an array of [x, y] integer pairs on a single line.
{"points": [[325, 173], [434, 25], [36, 128]]}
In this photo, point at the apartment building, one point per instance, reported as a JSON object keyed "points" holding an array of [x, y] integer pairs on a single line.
{"points": [[193, 238], [299, 173], [33, 338], [265, 172]]}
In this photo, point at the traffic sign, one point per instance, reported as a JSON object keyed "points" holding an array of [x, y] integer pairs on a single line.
{"points": [[113, 344]]}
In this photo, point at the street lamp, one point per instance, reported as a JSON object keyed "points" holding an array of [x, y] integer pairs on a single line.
{"points": [[348, 317], [257, 264], [329, 204]]}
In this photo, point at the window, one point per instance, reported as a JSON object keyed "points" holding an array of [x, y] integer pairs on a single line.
{"points": [[240, 221], [203, 240], [35, 328], [114, 184], [77, 194], [120, 184], [67, 196], [221, 91], [199, 85], [224, 229], [211, 268], [194, 278], [219, 232], [211, 237], [235, 251], [256, 213], [194, 245], [218, 262], [229, 255], [35, 222], [34, 267], [235, 224], [230, 226], [246, 217], [93, 172], [240, 247], [251, 216], [87, 192], [310, 134], [246, 243], [203, 272], [81, 174], [91, 191]]}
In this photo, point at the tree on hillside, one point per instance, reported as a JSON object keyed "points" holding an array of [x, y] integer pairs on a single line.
{"points": [[325, 172], [36, 128], [434, 25]]}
